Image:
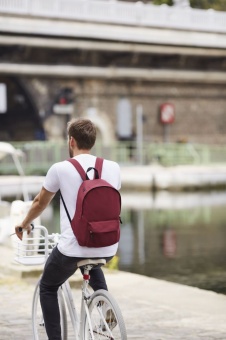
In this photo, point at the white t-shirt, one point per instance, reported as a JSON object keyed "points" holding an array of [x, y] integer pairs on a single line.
{"points": [[64, 177]]}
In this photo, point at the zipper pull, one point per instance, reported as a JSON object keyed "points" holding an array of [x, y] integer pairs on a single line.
{"points": [[120, 219]]}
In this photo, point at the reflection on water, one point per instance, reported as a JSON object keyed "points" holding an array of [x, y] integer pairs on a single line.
{"points": [[181, 238]]}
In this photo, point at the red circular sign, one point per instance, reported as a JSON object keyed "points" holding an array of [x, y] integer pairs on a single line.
{"points": [[167, 113]]}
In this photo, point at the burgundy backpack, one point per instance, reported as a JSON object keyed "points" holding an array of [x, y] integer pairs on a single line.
{"points": [[96, 222]]}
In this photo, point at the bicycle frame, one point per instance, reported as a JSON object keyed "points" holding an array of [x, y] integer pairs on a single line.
{"points": [[28, 252]]}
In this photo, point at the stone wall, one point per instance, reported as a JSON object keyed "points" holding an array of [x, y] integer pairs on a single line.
{"points": [[200, 109]]}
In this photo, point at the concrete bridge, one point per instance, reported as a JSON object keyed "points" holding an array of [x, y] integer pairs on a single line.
{"points": [[100, 58]]}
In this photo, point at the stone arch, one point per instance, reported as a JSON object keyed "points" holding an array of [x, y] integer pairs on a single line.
{"points": [[103, 124], [21, 120]]}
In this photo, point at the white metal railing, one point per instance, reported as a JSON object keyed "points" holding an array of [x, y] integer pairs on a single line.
{"points": [[119, 12], [40, 155]]}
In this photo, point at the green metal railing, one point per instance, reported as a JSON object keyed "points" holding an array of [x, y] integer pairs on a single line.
{"points": [[38, 156]]}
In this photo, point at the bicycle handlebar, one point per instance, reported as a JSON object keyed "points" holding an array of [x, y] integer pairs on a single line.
{"points": [[20, 229]]}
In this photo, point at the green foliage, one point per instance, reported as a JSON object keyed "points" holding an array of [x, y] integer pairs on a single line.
{"points": [[219, 5], [161, 2]]}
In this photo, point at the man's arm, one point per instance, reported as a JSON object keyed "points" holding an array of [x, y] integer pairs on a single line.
{"points": [[39, 204]]}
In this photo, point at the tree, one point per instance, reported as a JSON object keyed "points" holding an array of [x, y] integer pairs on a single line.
{"points": [[161, 2], [219, 5]]}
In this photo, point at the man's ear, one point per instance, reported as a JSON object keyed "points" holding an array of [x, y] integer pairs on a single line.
{"points": [[72, 142]]}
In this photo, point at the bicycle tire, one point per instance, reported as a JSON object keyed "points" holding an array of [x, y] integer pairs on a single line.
{"points": [[100, 303], [38, 326]]}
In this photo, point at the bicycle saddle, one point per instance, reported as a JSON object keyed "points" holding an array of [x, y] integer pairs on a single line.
{"points": [[91, 262]]}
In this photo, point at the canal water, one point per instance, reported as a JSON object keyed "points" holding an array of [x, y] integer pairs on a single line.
{"points": [[179, 237]]}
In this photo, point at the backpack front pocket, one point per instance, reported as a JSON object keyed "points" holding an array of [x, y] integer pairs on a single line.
{"points": [[103, 233]]}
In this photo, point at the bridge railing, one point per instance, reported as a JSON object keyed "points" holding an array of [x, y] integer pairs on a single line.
{"points": [[119, 12], [39, 156]]}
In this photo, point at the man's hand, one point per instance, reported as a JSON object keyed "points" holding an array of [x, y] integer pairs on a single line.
{"points": [[19, 230], [39, 204]]}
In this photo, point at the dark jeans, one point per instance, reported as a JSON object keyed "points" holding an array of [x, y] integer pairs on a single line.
{"points": [[57, 270]]}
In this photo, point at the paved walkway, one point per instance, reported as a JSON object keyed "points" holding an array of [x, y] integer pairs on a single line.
{"points": [[153, 309]]}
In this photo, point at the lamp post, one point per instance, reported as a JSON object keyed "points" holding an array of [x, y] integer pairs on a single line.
{"points": [[139, 133]]}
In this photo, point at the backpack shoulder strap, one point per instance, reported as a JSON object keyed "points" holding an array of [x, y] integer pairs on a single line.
{"points": [[65, 207], [81, 172], [78, 167], [98, 165]]}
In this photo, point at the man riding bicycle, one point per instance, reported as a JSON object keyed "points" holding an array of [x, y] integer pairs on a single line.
{"points": [[62, 262]]}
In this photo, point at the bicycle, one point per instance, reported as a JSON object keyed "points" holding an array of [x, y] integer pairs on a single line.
{"points": [[100, 315]]}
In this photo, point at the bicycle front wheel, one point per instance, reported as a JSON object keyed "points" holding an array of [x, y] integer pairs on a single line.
{"points": [[106, 321], [38, 325]]}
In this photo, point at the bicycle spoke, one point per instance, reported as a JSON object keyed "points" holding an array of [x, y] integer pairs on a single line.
{"points": [[104, 335], [106, 319]]}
